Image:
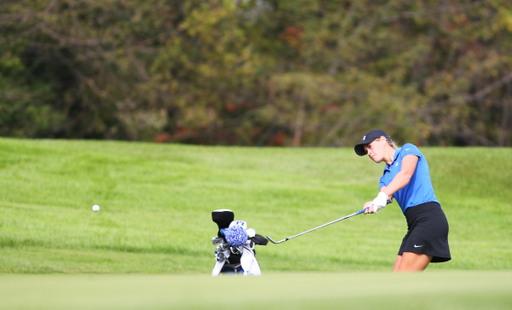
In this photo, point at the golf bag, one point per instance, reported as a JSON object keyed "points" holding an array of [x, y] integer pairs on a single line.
{"points": [[234, 252]]}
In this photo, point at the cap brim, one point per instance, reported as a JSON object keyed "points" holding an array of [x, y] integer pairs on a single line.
{"points": [[359, 148]]}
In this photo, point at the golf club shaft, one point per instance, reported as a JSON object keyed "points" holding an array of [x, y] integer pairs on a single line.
{"points": [[312, 229]]}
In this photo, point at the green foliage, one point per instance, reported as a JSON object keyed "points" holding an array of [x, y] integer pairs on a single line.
{"points": [[25, 103], [258, 72]]}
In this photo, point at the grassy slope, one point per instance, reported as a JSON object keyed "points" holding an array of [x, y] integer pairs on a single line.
{"points": [[157, 200]]}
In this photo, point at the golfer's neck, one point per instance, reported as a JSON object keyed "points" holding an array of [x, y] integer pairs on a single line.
{"points": [[390, 154]]}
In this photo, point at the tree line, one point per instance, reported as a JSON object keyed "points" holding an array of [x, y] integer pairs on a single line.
{"points": [[257, 72]]}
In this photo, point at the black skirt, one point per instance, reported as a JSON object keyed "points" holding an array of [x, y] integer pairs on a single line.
{"points": [[427, 232]]}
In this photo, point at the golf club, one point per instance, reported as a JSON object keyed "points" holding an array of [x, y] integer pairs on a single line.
{"points": [[305, 232]]}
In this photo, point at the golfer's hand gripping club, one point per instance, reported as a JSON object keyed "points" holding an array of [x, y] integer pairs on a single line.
{"points": [[380, 201], [372, 207]]}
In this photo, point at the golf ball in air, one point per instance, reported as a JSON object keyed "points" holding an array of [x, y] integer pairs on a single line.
{"points": [[95, 208]]}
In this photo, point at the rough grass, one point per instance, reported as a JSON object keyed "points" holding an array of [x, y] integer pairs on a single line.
{"points": [[156, 202]]}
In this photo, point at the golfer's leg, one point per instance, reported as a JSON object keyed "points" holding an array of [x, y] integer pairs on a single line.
{"points": [[397, 263], [413, 262]]}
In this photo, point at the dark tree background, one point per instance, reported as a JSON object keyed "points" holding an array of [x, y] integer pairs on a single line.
{"points": [[263, 72]]}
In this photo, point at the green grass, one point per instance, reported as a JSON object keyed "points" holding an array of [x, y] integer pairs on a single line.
{"points": [[149, 247], [156, 202], [361, 290]]}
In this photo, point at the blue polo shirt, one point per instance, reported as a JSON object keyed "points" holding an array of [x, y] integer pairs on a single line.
{"points": [[419, 190]]}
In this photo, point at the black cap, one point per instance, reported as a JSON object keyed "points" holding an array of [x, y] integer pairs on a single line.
{"points": [[368, 138]]}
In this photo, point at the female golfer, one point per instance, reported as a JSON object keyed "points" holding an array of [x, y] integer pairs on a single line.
{"points": [[406, 178]]}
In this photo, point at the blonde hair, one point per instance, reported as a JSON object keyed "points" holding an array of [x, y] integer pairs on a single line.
{"points": [[392, 143]]}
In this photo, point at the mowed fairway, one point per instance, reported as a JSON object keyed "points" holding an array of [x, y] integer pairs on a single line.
{"points": [[363, 290], [149, 247]]}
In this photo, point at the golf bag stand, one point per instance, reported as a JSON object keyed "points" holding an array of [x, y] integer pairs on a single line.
{"points": [[235, 243]]}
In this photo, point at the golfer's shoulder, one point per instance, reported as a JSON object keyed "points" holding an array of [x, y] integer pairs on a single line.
{"points": [[410, 149]]}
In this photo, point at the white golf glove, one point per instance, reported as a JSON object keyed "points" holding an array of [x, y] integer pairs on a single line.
{"points": [[380, 201]]}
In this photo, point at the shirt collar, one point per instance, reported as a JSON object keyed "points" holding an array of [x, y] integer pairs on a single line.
{"points": [[395, 157]]}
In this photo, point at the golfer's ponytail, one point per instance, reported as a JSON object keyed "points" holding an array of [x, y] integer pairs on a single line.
{"points": [[392, 143]]}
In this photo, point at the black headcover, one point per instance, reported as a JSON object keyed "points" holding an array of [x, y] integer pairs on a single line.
{"points": [[222, 218], [260, 240]]}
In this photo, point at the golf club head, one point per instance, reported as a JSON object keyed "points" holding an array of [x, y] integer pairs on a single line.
{"points": [[276, 242], [217, 240]]}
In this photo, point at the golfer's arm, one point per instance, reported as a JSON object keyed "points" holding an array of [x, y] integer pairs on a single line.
{"points": [[403, 177]]}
